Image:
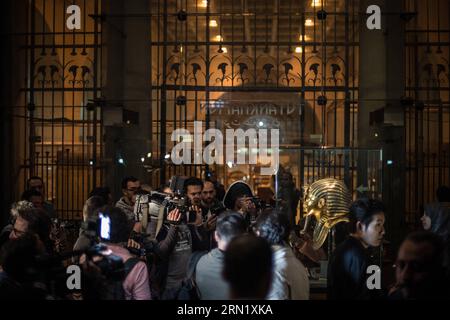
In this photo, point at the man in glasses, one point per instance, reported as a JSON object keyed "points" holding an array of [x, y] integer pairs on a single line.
{"points": [[130, 185], [419, 269], [33, 221]]}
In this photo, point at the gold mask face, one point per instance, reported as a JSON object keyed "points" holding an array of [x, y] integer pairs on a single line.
{"points": [[328, 200]]}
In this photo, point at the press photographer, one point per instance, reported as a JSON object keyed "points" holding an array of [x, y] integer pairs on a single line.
{"points": [[239, 197], [211, 208], [115, 230], [181, 234]]}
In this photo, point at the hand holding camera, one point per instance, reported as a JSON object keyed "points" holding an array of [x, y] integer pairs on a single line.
{"points": [[247, 205], [198, 215], [174, 216], [210, 223]]}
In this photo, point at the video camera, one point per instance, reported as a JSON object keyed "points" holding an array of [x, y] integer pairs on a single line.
{"points": [[157, 204], [111, 266], [152, 204]]}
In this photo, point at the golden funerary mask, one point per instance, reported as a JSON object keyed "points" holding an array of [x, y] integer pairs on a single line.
{"points": [[328, 200]]}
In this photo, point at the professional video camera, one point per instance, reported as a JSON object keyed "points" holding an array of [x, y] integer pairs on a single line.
{"points": [[157, 204]]}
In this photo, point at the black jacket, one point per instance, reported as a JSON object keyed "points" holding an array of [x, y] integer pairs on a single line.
{"points": [[167, 239], [347, 272]]}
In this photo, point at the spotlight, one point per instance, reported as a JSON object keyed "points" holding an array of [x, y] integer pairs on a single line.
{"points": [[309, 23]]}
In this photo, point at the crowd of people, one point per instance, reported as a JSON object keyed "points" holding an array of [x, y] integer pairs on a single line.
{"points": [[217, 246]]}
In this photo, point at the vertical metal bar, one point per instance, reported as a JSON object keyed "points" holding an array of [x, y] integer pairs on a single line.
{"points": [[254, 43], [100, 84], [313, 164], [324, 78], [347, 97], [31, 103], [66, 194], [62, 195], [278, 43], [73, 163], [42, 93], [52, 151], [302, 93], [207, 58], [351, 107], [43, 29], [186, 69], [83, 111], [416, 115], [95, 94], [163, 97], [448, 95]]}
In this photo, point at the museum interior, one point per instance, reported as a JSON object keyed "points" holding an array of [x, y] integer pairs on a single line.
{"points": [[353, 94]]}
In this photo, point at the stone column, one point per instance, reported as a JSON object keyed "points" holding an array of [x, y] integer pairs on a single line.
{"points": [[382, 83], [14, 25], [127, 112]]}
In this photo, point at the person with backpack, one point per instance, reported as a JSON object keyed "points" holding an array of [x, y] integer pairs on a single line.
{"points": [[177, 240], [136, 285]]}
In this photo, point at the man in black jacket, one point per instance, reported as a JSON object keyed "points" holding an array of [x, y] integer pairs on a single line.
{"points": [[177, 239], [348, 266]]}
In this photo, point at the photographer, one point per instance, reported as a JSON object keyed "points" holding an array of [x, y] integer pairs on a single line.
{"points": [[136, 282], [177, 239], [239, 197], [90, 212], [193, 190], [211, 208], [130, 185]]}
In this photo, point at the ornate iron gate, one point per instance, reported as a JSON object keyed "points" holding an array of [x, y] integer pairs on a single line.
{"points": [[427, 111], [207, 54], [57, 120]]}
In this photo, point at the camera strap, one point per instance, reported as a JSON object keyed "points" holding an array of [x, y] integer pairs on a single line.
{"points": [[160, 219]]}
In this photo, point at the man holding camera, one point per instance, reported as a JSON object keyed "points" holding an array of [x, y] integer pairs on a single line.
{"points": [[181, 234], [136, 283], [239, 197], [201, 196], [130, 185], [211, 208]]}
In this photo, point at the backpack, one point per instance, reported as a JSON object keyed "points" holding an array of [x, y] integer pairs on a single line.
{"points": [[189, 289], [114, 289]]}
